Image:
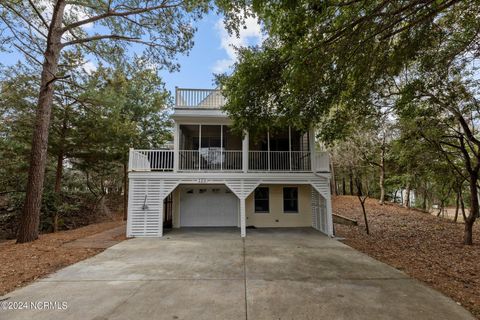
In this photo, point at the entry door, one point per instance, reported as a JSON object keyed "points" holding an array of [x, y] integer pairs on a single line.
{"points": [[208, 206]]}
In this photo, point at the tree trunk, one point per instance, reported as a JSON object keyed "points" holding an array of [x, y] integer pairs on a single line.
{"points": [[125, 192], [462, 206], [55, 222], [59, 172], [424, 202], [359, 188], [30, 220], [406, 199], [474, 209], [351, 182], [58, 184], [61, 153], [440, 210], [365, 216], [381, 181], [344, 187], [457, 206], [333, 180]]}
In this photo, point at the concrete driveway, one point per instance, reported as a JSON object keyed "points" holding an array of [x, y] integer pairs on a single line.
{"points": [[214, 274]]}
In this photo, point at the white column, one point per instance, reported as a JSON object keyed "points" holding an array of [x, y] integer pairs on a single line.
{"points": [[311, 146], [130, 159], [328, 200], [199, 147], [245, 152], [222, 157], [243, 219], [290, 147], [177, 100], [160, 223], [268, 149], [176, 147]]}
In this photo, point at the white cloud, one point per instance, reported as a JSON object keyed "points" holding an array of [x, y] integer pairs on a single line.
{"points": [[89, 67], [78, 13], [72, 11], [251, 34]]}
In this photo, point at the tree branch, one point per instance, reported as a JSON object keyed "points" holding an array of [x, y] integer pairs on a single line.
{"points": [[104, 37], [38, 13], [118, 14]]}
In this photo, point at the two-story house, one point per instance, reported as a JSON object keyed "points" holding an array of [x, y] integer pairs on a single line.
{"points": [[214, 177]]}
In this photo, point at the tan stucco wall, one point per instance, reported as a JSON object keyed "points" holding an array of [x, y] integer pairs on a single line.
{"points": [[276, 217]]}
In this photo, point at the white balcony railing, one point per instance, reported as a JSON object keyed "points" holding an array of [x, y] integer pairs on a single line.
{"points": [[150, 160], [198, 98], [228, 160], [208, 159], [279, 161]]}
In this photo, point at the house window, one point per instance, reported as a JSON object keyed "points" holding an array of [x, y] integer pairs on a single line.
{"points": [[262, 202], [290, 200]]}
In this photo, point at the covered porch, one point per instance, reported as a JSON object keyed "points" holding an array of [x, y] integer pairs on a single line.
{"points": [[209, 147]]}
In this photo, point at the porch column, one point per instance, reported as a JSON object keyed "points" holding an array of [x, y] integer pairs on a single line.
{"points": [[311, 148], [328, 200], [176, 147], [160, 223], [245, 152], [243, 223]]}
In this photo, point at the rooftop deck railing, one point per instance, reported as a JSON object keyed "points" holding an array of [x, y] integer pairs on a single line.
{"points": [[198, 98], [229, 161]]}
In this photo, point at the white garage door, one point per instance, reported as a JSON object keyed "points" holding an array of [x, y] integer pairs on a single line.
{"points": [[208, 206]]}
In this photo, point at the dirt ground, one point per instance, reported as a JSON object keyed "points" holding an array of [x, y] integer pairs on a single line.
{"points": [[449, 213], [23, 263], [425, 247]]}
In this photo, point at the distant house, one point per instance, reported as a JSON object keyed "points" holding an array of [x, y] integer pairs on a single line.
{"points": [[213, 177], [400, 195]]}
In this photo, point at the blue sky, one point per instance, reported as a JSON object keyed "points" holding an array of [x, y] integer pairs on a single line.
{"points": [[212, 53]]}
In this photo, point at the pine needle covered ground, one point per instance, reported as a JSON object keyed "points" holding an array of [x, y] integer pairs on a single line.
{"points": [[26, 262], [425, 247]]}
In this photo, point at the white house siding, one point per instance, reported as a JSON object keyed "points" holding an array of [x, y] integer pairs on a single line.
{"points": [[148, 189]]}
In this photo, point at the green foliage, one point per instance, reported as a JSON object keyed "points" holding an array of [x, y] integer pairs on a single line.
{"points": [[96, 118], [322, 61], [340, 65]]}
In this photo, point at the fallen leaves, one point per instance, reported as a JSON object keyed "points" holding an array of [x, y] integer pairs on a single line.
{"points": [[425, 247], [26, 262]]}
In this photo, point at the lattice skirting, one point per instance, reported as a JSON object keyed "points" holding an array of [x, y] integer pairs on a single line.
{"points": [[146, 195]]}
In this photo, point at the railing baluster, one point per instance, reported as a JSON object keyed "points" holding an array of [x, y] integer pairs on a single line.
{"points": [[190, 98], [228, 160]]}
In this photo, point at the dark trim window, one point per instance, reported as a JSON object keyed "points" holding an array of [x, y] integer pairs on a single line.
{"points": [[261, 199], [290, 200]]}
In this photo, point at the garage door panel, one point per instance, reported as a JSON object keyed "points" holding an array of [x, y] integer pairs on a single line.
{"points": [[208, 207]]}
